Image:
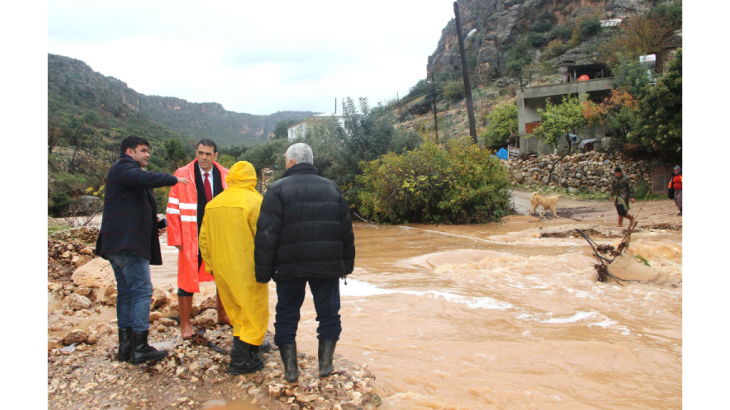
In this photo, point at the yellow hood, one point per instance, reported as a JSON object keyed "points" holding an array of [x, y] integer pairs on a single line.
{"points": [[241, 174]]}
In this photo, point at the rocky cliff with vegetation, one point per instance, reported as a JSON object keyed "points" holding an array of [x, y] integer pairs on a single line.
{"points": [[501, 25], [75, 88]]}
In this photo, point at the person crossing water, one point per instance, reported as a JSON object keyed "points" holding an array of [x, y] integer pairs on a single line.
{"points": [[623, 190]]}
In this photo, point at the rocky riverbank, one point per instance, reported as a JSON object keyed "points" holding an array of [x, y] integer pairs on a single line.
{"points": [[83, 371]]}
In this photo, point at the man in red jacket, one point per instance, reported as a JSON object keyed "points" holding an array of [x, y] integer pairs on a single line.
{"points": [[676, 183], [185, 211]]}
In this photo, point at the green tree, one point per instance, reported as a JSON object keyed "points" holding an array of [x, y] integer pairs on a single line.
{"points": [[630, 74], [557, 120], [266, 154], [659, 122], [281, 129], [454, 90], [226, 160], [177, 155], [502, 122]]}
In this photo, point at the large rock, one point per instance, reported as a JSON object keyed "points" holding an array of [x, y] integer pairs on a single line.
{"points": [[159, 297], [97, 273], [75, 336], [208, 318], [110, 294], [78, 302]]}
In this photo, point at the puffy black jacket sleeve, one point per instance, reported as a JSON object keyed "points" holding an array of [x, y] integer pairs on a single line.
{"points": [[268, 232], [348, 237]]}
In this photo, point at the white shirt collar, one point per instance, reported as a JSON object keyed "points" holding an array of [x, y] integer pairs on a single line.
{"points": [[202, 173]]}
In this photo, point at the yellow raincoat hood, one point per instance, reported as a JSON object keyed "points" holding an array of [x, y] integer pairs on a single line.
{"points": [[227, 244], [242, 174]]}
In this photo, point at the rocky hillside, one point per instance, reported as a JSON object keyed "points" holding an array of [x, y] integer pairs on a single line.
{"points": [[75, 88], [499, 23]]}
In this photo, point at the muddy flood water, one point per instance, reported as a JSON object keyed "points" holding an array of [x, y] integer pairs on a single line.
{"points": [[493, 317]]}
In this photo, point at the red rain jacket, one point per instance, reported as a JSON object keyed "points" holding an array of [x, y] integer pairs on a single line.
{"points": [[182, 219], [676, 182]]}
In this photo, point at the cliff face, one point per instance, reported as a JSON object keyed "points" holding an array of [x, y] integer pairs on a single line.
{"points": [[74, 87], [496, 20]]}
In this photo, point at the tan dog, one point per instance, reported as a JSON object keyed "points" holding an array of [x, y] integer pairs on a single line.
{"points": [[546, 202]]}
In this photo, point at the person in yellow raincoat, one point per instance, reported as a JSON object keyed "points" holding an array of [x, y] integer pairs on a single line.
{"points": [[227, 245]]}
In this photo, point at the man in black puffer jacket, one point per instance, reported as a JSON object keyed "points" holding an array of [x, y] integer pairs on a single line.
{"points": [[304, 234]]}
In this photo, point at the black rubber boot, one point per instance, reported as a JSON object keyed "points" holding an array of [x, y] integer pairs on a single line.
{"points": [[291, 368], [124, 352], [264, 348], [245, 358], [143, 352], [325, 353]]}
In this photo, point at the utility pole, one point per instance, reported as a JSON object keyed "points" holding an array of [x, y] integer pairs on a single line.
{"points": [[335, 105], [465, 72], [435, 117]]}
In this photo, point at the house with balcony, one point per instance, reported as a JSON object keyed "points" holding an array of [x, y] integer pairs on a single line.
{"points": [[591, 80]]}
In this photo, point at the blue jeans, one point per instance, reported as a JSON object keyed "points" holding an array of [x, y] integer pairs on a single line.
{"points": [[134, 289], [290, 296]]}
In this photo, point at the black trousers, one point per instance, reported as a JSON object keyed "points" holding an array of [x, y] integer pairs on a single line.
{"points": [[290, 293]]}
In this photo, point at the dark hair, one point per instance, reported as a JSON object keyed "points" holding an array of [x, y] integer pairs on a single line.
{"points": [[208, 143], [132, 141], [618, 169]]}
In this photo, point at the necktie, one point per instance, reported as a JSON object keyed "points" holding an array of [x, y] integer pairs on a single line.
{"points": [[208, 191]]}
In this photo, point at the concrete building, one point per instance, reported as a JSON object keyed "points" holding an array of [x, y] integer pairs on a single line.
{"points": [[530, 99], [300, 129]]}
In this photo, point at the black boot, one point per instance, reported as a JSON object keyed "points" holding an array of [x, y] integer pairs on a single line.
{"points": [[124, 352], [143, 352], [325, 353], [264, 348], [680, 210], [245, 358], [291, 368]]}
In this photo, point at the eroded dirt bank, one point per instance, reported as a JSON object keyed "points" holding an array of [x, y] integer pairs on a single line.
{"points": [[505, 315]]}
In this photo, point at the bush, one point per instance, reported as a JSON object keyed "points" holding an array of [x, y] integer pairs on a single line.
{"points": [[555, 48], [542, 26], [460, 185], [590, 26], [454, 91], [561, 32], [58, 203], [536, 39]]}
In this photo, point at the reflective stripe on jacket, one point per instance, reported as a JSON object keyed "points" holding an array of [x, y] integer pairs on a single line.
{"points": [[182, 219], [676, 182]]}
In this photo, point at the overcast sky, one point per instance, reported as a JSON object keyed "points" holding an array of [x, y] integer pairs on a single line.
{"points": [[254, 57]]}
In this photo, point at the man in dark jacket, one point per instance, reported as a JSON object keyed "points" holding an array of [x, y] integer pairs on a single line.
{"points": [[129, 240], [304, 234]]}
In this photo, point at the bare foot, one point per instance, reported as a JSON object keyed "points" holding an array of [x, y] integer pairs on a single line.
{"points": [[187, 330]]}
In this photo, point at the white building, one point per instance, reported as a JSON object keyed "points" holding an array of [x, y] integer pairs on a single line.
{"points": [[300, 129]]}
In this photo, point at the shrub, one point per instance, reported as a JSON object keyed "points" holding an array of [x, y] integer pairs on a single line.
{"points": [[58, 203], [590, 26], [555, 48], [502, 124], [542, 26], [536, 39], [454, 91], [561, 31], [463, 184]]}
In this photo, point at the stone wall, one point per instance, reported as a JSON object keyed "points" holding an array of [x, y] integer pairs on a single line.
{"points": [[593, 170]]}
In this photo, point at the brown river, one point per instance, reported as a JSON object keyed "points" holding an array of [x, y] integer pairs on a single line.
{"points": [[493, 317]]}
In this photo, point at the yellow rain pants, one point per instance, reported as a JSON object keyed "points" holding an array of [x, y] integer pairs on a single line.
{"points": [[226, 245]]}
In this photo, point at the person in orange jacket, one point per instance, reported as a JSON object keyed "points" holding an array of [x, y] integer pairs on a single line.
{"points": [[676, 183], [185, 211]]}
